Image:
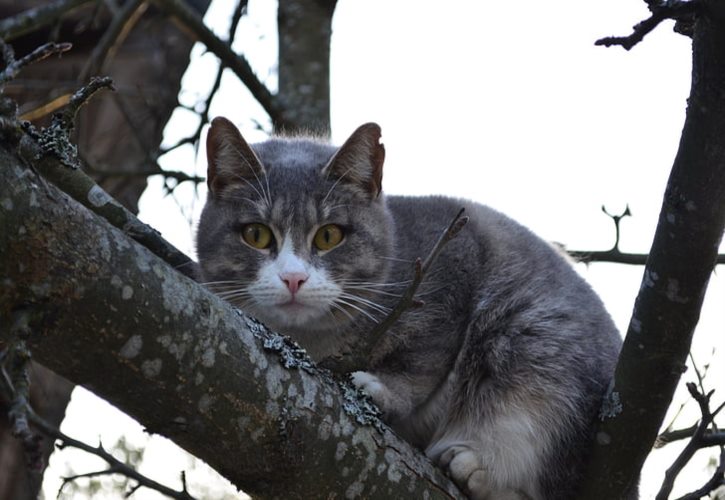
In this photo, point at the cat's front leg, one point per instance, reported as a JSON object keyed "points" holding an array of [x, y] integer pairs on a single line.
{"points": [[382, 392]]}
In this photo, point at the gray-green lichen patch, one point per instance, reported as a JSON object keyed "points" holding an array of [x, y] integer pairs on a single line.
{"points": [[394, 473], [208, 357], [361, 439], [612, 404], [54, 140], [291, 355], [359, 406], [174, 294], [649, 279], [340, 451], [132, 347], [7, 204], [151, 368], [673, 292], [98, 197]]}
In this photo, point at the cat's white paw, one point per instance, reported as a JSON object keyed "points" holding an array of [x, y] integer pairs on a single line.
{"points": [[465, 467], [373, 387]]}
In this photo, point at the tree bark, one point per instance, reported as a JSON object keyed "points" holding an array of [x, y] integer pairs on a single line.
{"points": [[109, 315], [678, 269], [305, 28], [118, 135]]}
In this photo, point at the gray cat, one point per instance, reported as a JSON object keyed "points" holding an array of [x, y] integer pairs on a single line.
{"points": [[498, 377]]}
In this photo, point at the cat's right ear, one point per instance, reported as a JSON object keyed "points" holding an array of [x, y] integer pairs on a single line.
{"points": [[230, 160], [359, 161]]}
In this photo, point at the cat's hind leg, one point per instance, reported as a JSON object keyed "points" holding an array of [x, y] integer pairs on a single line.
{"points": [[467, 466]]}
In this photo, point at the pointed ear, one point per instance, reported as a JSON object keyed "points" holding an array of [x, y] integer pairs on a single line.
{"points": [[360, 160], [230, 159]]}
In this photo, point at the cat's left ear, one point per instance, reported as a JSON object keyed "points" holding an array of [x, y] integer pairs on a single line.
{"points": [[360, 160], [230, 159]]}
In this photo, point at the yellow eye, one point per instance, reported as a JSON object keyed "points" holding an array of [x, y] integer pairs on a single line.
{"points": [[328, 237], [257, 235]]}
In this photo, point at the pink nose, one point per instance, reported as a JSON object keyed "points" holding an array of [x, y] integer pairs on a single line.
{"points": [[293, 280]]}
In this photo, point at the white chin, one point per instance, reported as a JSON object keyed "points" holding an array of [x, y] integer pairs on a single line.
{"points": [[293, 316]]}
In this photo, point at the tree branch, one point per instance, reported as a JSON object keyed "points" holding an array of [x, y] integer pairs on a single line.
{"points": [[108, 314], [39, 150], [693, 445], [682, 258], [15, 66], [667, 9], [33, 19], [15, 388], [614, 254], [237, 63], [121, 24]]}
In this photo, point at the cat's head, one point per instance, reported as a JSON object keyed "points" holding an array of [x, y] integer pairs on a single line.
{"points": [[295, 231]]}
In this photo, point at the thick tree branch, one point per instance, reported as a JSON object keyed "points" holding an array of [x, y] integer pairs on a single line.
{"points": [[108, 314], [680, 263], [84, 190]]}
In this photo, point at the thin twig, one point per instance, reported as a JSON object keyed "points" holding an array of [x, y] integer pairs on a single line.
{"points": [[121, 24], [14, 67], [204, 113], [67, 117], [614, 254], [407, 300], [717, 480], [237, 63], [694, 444], [15, 387], [36, 18]]}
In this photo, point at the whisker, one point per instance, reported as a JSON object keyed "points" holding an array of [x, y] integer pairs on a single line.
{"points": [[365, 302], [372, 290], [334, 185], [342, 310], [359, 309]]}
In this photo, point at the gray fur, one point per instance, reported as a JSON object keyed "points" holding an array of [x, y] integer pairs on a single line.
{"points": [[498, 377]]}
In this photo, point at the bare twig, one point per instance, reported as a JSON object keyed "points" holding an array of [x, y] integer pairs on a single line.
{"points": [[717, 480], [614, 254], [33, 19], [123, 21], [13, 67], [668, 9], [21, 413], [204, 112], [694, 444], [67, 117], [15, 382], [355, 358], [709, 437], [407, 300], [178, 176], [238, 64]]}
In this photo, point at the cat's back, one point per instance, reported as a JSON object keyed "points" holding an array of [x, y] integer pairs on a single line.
{"points": [[495, 261]]}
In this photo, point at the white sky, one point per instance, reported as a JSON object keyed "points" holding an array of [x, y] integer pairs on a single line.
{"points": [[506, 103]]}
